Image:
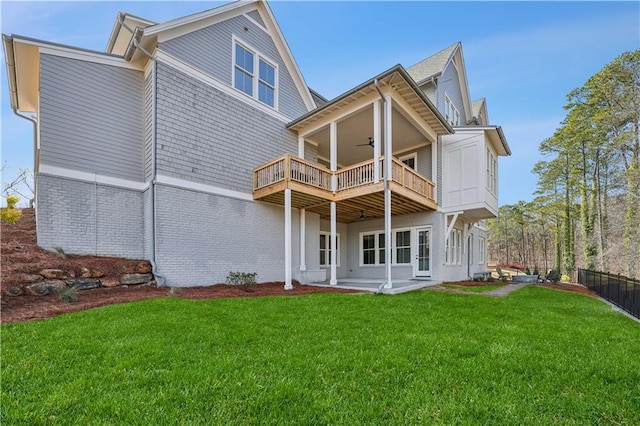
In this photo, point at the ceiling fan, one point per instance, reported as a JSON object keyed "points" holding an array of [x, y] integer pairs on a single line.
{"points": [[370, 143], [363, 216]]}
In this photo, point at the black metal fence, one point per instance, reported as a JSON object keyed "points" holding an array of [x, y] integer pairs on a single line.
{"points": [[621, 291]]}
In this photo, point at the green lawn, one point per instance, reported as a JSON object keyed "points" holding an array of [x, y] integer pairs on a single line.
{"points": [[473, 289], [537, 356]]}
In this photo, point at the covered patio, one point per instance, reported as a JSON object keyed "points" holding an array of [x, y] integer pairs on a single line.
{"points": [[341, 171]]}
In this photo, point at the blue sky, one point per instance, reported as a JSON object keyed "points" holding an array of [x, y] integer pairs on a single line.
{"points": [[524, 57]]}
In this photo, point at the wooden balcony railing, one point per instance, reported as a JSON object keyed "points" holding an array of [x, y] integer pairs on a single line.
{"points": [[291, 168], [410, 179]]}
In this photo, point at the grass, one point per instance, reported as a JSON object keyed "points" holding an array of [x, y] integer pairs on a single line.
{"points": [[537, 356], [473, 289]]}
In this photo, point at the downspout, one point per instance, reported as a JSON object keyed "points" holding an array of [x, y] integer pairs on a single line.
{"points": [[160, 279], [385, 178]]}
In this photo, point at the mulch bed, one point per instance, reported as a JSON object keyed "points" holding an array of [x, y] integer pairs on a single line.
{"points": [[27, 308]]}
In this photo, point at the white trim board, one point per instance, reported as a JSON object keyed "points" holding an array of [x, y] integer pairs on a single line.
{"points": [[202, 187], [55, 171]]}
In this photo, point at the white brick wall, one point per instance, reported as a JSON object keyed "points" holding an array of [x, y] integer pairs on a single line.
{"points": [[84, 218]]}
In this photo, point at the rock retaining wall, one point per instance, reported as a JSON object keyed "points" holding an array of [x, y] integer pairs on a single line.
{"points": [[49, 281]]}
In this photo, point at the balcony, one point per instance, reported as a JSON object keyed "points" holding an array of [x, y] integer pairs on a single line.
{"points": [[356, 192]]}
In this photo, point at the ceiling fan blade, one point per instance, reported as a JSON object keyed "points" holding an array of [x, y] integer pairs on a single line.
{"points": [[364, 144]]}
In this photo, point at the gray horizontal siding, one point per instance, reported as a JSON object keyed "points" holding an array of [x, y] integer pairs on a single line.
{"points": [[210, 50], [91, 117], [206, 136], [255, 15], [449, 84]]}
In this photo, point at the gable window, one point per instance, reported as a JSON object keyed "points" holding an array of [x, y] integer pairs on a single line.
{"points": [[451, 113], [266, 83], [244, 70], [254, 75], [325, 249]]}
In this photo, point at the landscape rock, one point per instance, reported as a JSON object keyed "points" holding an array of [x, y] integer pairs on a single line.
{"points": [[29, 278], [110, 282], [128, 279], [53, 274], [151, 283], [85, 273], [83, 283], [14, 290], [45, 287], [97, 273], [137, 268]]}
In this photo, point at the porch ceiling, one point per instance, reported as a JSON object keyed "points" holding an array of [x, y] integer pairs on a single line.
{"points": [[358, 128], [415, 120]]}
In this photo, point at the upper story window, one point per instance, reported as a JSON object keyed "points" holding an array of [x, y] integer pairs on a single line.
{"points": [[262, 84], [451, 114], [492, 172], [410, 160]]}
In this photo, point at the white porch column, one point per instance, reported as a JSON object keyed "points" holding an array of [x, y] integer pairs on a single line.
{"points": [[376, 141], [333, 154], [303, 231], [287, 240], [388, 155], [334, 248], [301, 147]]}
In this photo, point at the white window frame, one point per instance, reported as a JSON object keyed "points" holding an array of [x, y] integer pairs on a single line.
{"points": [[413, 155], [482, 250], [492, 172], [327, 236], [453, 248], [451, 113], [255, 77], [379, 257]]}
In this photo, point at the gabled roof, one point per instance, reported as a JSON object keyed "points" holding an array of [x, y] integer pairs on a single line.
{"points": [[150, 35], [396, 76], [433, 66], [318, 98], [119, 40], [476, 106]]}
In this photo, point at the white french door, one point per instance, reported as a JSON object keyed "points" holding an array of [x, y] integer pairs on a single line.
{"points": [[422, 265]]}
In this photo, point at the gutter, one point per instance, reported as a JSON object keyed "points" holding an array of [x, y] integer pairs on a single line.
{"points": [[13, 89], [160, 279]]}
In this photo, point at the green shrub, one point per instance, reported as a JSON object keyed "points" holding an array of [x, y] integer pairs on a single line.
{"points": [[490, 279], [10, 214], [565, 278], [554, 276], [68, 294], [242, 280], [535, 271], [59, 251], [527, 271]]}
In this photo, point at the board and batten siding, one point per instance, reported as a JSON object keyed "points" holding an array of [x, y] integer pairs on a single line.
{"points": [[210, 50], [209, 137], [449, 84], [91, 117]]}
